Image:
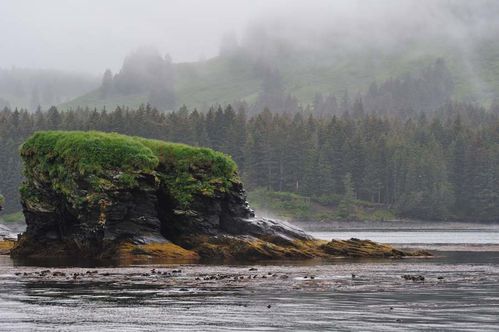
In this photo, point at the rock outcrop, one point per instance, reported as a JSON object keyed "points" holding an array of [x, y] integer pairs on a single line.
{"points": [[98, 195]]}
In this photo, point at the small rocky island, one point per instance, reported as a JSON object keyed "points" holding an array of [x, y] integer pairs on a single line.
{"points": [[110, 196]]}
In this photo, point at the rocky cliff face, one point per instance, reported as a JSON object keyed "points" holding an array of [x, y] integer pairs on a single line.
{"points": [[109, 196]]}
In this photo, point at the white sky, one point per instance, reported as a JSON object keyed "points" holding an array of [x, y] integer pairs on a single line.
{"points": [[91, 35]]}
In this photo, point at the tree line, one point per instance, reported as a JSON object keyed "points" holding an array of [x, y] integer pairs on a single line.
{"points": [[440, 165], [425, 89]]}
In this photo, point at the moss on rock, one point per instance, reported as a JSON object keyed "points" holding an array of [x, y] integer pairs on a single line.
{"points": [[114, 161]]}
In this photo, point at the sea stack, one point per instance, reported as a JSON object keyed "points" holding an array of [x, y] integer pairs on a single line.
{"points": [[106, 195]]}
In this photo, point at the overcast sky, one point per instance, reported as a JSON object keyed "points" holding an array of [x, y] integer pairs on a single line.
{"points": [[91, 35]]}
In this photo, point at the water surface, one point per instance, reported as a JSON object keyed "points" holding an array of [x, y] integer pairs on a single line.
{"points": [[458, 239], [460, 292]]}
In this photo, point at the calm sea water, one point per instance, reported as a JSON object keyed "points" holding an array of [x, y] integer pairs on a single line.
{"points": [[421, 238], [460, 292]]}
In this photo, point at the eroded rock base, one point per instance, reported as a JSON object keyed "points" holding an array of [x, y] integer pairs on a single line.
{"points": [[224, 247]]}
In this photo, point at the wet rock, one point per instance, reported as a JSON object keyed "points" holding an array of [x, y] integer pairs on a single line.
{"points": [[150, 199], [361, 248]]}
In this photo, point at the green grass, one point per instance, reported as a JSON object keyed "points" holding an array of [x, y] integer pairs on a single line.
{"points": [[86, 152], [186, 170], [300, 208], [283, 204], [218, 80], [109, 160], [94, 99], [14, 217]]}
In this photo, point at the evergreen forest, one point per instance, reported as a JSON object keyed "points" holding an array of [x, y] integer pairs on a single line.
{"points": [[438, 165]]}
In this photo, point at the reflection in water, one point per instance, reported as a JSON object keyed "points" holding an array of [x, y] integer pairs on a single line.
{"points": [[339, 295]]}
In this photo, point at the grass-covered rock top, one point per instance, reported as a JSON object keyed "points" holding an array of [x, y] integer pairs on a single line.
{"points": [[109, 160]]}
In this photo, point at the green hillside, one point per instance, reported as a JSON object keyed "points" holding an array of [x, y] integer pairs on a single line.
{"points": [[217, 80], [225, 79]]}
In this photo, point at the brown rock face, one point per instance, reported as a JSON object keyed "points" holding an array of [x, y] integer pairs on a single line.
{"points": [[146, 223], [143, 216]]}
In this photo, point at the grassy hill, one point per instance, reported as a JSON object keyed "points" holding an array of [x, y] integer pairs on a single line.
{"points": [[294, 207], [217, 80], [304, 73]]}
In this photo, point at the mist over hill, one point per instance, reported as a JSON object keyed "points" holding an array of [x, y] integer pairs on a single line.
{"points": [[30, 88], [290, 59]]}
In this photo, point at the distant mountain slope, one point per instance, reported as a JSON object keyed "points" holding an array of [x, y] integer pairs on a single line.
{"points": [[227, 79], [218, 80], [348, 48]]}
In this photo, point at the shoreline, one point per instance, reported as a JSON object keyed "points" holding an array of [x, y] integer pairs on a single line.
{"points": [[447, 247], [394, 225]]}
